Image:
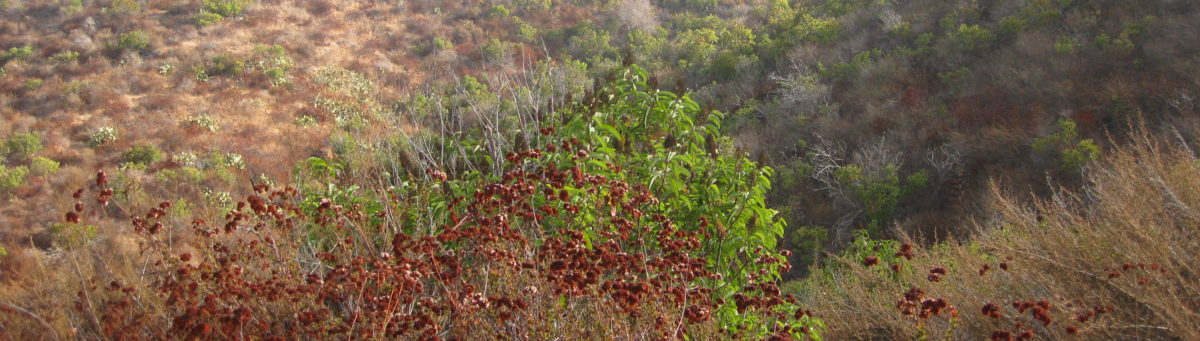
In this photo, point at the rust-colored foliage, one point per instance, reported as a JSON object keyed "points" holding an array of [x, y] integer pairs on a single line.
{"points": [[504, 264]]}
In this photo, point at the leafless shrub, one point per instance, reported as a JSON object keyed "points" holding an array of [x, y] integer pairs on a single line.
{"points": [[637, 14], [946, 160]]}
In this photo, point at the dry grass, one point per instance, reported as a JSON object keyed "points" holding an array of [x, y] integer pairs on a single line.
{"points": [[1129, 242]]}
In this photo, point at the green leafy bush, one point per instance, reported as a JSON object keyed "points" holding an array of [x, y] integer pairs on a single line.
{"points": [[971, 38], [224, 8], [33, 84], [13, 177], [16, 53], [498, 11], [43, 166], [220, 65], [1072, 152], [69, 236], [691, 172], [213, 11], [880, 193], [273, 63], [305, 121], [124, 6], [1012, 26], [144, 155], [23, 145], [441, 44], [225, 65], [133, 41], [208, 18], [65, 56], [1065, 45], [495, 49], [72, 7]]}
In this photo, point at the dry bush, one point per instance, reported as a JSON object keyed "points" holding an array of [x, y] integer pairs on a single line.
{"points": [[1115, 261]]}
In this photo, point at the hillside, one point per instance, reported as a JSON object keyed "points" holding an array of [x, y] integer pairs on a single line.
{"points": [[617, 169]]}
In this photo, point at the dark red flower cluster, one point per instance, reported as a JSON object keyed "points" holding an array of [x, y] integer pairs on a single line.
{"points": [[1089, 314], [906, 251], [936, 273], [914, 302], [1040, 310], [1151, 270], [870, 261], [991, 310]]}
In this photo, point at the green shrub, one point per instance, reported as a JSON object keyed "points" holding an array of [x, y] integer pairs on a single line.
{"points": [[221, 65], [203, 122], [102, 136], [43, 166], [224, 8], [185, 175], [345, 82], [1011, 26], [144, 155], [441, 44], [70, 235], [879, 194], [16, 53], [527, 32], [218, 160], [1101, 41], [124, 6], [23, 145], [11, 178], [498, 11], [971, 37], [72, 7], [1066, 45], [133, 41], [1072, 152], [305, 121], [273, 63], [166, 68], [65, 56], [33, 84], [225, 65], [495, 49], [208, 18], [213, 11]]}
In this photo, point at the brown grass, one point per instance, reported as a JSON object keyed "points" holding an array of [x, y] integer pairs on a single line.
{"points": [[1128, 241]]}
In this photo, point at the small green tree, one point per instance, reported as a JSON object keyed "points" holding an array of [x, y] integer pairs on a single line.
{"points": [[969, 38], [11, 178], [133, 41], [144, 155], [213, 11], [498, 11], [43, 166], [1071, 151], [23, 145], [224, 8]]}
